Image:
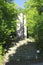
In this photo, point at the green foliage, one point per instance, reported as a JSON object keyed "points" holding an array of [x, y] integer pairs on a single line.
{"points": [[9, 1], [32, 8], [31, 14], [1, 60], [34, 16], [8, 16]]}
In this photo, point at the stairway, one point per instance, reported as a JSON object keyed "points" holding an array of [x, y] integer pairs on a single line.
{"points": [[13, 49]]}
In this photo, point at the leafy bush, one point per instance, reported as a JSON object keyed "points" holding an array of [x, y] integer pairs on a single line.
{"points": [[8, 16]]}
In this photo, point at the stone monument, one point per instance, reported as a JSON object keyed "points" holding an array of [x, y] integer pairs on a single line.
{"points": [[21, 26]]}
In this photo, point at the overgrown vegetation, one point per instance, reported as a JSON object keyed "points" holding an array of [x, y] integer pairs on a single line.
{"points": [[34, 13], [8, 16]]}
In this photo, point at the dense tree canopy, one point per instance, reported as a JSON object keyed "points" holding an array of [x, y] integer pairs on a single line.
{"points": [[34, 16], [34, 13], [8, 16]]}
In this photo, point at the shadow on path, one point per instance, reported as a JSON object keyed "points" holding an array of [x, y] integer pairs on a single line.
{"points": [[25, 55]]}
